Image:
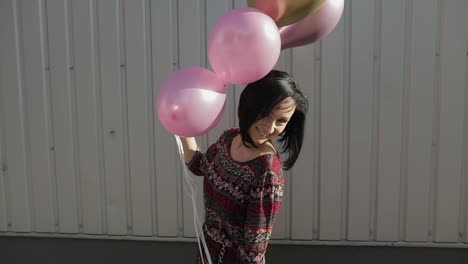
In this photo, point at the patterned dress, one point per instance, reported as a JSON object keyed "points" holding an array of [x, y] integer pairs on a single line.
{"points": [[241, 200]]}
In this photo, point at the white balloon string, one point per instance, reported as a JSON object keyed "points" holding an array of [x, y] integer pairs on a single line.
{"points": [[192, 193]]}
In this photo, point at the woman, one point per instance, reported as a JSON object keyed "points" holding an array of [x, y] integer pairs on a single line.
{"points": [[243, 180]]}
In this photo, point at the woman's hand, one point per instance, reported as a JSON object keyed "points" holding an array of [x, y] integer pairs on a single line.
{"points": [[190, 146]]}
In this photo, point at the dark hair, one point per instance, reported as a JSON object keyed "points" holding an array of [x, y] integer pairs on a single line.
{"points": [[259, 98]]}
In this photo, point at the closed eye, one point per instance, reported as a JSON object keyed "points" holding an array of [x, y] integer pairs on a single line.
{"points": [[283, 121]]}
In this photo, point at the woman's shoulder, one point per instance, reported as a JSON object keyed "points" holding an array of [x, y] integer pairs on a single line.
{"points": [[229, 135], [267, 165], [273, 161], [269, 171], [274, 164], [232, 132]]}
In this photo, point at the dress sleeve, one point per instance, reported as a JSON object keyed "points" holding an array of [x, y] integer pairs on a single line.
{"points": [[200, 161], [264, 204]]}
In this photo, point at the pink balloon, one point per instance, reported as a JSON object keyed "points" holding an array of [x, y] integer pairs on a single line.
{"points": [[191, 101], [244, 46], [314, 26]]}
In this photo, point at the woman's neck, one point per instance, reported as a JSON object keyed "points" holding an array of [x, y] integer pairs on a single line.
{"points": [[242, 153]]}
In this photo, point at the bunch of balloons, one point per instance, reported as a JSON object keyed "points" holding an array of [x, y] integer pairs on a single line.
{"points": [[243, 47]]}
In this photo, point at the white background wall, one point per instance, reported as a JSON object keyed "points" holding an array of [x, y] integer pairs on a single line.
{"points": [[84, 155]]}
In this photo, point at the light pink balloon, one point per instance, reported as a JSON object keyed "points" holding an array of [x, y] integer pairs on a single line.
{"points": [[314, 26], [191, 101], [244, 46]]}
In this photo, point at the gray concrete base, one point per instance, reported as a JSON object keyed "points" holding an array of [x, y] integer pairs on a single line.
{"points": [[25, 250]]}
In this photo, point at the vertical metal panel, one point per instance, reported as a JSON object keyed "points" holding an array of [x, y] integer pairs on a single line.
{"points": [[139, 113], [125, 128], [464, 207], [377, 34], [316, 141], [88, 121], [190, 46], [332, 133], [3, 189], [390, 115], [420, 118], [111, 63], [238, 3], [361, 123], [61, 71], [168, 184], [3, 165], [346, 118], [12, 103], [451, 115], [302, 180], [37, 112]]}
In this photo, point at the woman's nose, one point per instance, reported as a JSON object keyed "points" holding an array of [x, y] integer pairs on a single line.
{"points": [[269, 127]]}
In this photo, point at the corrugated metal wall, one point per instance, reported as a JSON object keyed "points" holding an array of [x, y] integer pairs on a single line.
{"points": [[83, 153]]}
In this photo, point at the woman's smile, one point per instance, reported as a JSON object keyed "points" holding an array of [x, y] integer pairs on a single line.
{"points": [[263, 135]]}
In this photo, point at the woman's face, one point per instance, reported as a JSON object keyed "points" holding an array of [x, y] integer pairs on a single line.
{"points": [[274, 123]]}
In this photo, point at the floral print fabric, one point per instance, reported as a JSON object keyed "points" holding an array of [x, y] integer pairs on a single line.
{"points": [[241, 201]]}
